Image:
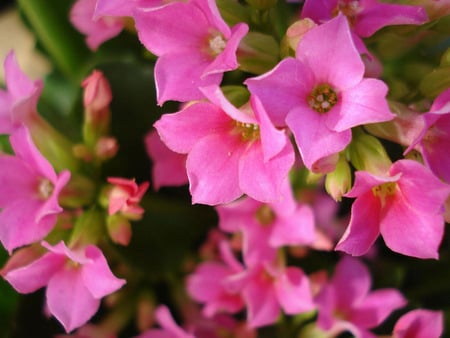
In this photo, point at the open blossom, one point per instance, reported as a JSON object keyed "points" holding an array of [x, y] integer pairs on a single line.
{"points": [[405, 207], [321, 94], [18, 102], [194, 46], [30, 191], [76, 280], [229, 151], [125, 196], [419, 323], [365, 16], [345, 303]]}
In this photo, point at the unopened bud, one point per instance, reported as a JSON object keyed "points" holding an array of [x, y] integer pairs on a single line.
{"points": [[119, 229], [295, 33], [97, 92], [338, 182], [106, 148]]}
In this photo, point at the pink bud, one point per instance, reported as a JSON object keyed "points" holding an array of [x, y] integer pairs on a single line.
{"points": [[97, 92]]}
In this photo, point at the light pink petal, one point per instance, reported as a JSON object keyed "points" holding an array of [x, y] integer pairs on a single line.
{"points": [[314, 139], [296, 229], [97, 276], [69, 300], [212, 15], [376, 15], [318, 10], [328, 50], [325, 302], [420, 323], [31, 277], [364, 226], [361, 104], [365, 181], [261, 180], [283, 88], [376, 307], [294, 291], [179, 75], [51, 206], [410, 233], [233, 216], [414, 178], [18, 84], [212, 168], [166, 321], [115, 7], [256, 249], [16, 179], [182, 130]]}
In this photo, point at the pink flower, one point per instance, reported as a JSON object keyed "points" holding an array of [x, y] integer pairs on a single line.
{"points": [[434, 140], [76, 280], [229, 151], [420, 323], [18, 102], [169, 168], [345, 303], [125, 196], [365, 16], [266, 227], [194, 45], [321, 94], [405, 206], [30, 190]]}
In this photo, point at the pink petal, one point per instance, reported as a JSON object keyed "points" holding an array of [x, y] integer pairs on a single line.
{"points": [[319, 10], [166, 321], [364, 226], [420, 324], [233, 216], [16, 179], [18, 84], [69, 300], [212, 167], [365, 181], [256, 249]]}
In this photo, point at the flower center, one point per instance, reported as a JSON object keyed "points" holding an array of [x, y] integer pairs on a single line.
{"points": [[217, 44], [382, 191], [45, 188], [248, 131], [350, 8], [322, 98], [265, 215]]}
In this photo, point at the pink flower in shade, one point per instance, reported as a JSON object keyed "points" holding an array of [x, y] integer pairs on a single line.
{"points": [[405, 206], [76, 280], [365, 16], [229, 151], [169, 329], [96, 29], [18, 102], [321, 94], [30, 190], [434, 140], [194, 45], [346, 303], [266, 227], [125, 196], [420, 323], [169, 168]]}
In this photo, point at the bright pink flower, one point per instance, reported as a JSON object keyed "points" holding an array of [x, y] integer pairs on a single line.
{"points": [[96, 29], [30, 190], [266, 227], [230, 151], [321, 94], [169, 329], [345, 303], [365, 16], [405, 206], [434, 141], [169, 168], [420, 323], [76, 280], [125, 196], [194, 45], [18, 102]]}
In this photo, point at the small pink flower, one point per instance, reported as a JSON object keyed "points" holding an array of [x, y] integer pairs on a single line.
{"points": [[30, 191], [420, 323], [18, 102], [76, 280], [405, 206], [125, 196], [345, 303]]}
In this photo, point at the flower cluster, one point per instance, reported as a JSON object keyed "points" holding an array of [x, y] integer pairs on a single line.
{"points": [[267, 114]]}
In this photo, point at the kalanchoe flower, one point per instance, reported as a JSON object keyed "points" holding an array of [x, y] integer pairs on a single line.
{"points": [[76, 280], [169, 168], [419, 323], [405, 206], [124, 197], [18, 102], [365, 16], [346, 303], [321, 94], [230, 151], [194, 45], [30, 190]]}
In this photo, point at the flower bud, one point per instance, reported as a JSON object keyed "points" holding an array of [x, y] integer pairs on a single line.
{"points": [[119, 229], [295, 33], [338, 182]]}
